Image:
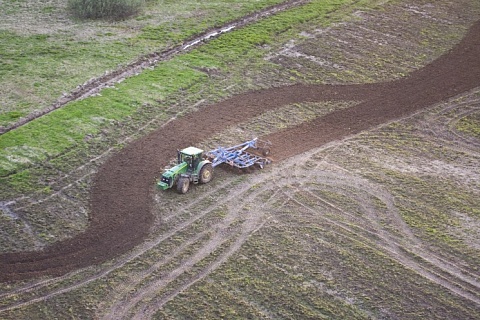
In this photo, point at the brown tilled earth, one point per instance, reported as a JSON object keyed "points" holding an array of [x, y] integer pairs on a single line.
{"points": [[121, 197]]}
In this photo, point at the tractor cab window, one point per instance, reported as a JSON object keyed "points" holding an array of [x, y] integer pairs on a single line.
{"points": [[196, 160], [188, 160]]}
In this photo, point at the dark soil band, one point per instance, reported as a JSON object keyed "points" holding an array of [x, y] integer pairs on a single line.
{"points": [[121, 197]]}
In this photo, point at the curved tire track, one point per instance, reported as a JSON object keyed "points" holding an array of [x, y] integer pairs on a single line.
{"points": [[122, 191]]}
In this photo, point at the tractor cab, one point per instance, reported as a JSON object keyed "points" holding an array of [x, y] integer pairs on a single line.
{"points": [[191, 156]]}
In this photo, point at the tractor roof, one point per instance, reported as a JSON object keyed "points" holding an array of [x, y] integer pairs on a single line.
{"points": [[191, 151]]}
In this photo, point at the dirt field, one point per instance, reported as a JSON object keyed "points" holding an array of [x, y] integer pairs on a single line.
{"points": [[321, 191], [120, 198]]}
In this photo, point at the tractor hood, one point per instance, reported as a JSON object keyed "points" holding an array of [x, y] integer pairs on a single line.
{"points": [[169, 176]]}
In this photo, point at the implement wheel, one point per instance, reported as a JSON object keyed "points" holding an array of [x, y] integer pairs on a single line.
{"points": [[182, 185], [206, 173]]}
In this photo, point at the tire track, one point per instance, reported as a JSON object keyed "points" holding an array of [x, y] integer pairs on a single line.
{"points": [[434, 268], [122, 228], [177, 227], [461, 285], [95, 85], [406, 239], [223, 233], [444, 126], [409, 243], [122, 191]]}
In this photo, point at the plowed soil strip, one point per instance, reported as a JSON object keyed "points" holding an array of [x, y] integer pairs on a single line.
{"points": [[121, 197]]}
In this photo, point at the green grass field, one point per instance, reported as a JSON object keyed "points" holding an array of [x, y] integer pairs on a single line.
{"points": [[381, 225]]}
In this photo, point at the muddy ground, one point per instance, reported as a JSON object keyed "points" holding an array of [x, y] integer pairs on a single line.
{"points": [[123, 213], [120, 203]]}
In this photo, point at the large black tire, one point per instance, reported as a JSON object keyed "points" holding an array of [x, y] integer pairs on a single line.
{"points": [[182, 185], [206, 173]]}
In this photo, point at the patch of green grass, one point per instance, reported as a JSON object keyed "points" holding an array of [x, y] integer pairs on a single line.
{"points": [[48, 9], [51, 135], [105, 9], [36, 69], [63, 129], [470, 125], [302, 268], [21, 181], [295, 266], [434, 204], [241, 42], [11, 116]]}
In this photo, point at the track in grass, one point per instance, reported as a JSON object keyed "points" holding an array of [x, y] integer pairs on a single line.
{"points": [[122, 191], [380, 103]]}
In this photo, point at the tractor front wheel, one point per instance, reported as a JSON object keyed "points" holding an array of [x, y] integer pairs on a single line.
{"points": [[183, 184], [206, 173]]}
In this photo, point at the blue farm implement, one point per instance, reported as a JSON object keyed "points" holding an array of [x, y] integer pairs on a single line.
{"points": [[196, 166], [238, 157]]}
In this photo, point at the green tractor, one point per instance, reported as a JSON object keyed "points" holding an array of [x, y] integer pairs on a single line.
{"points": [[192, 167], [195, 166]]}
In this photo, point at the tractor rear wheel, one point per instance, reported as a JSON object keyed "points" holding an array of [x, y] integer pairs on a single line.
{"points": [[206, 173], [183, 184]]}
